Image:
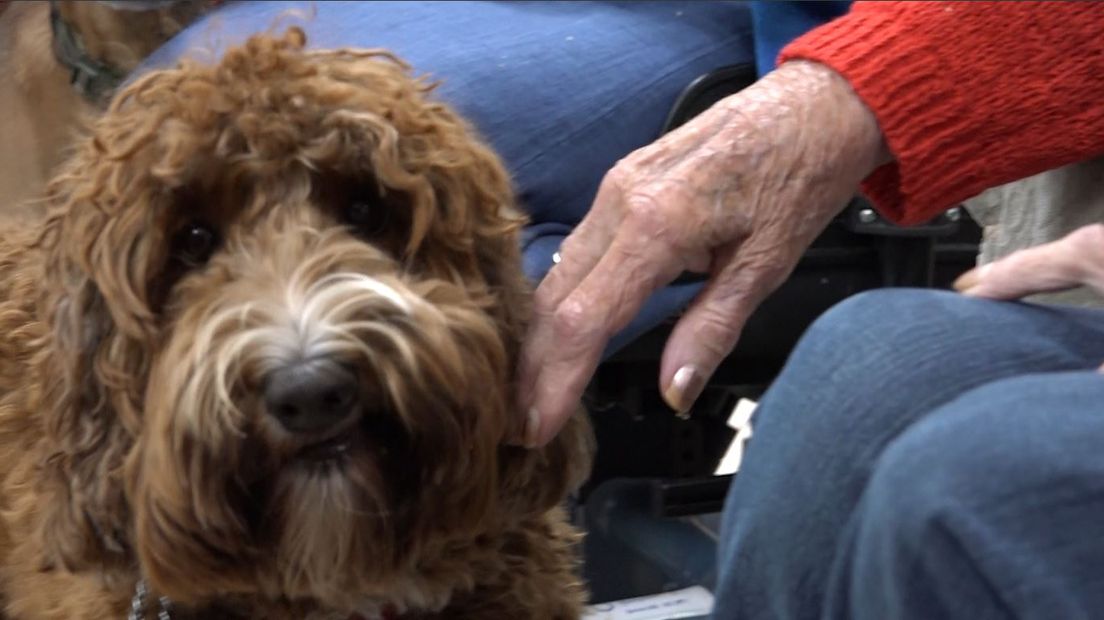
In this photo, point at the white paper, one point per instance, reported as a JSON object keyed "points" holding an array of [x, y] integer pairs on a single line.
{"points": [[740, 421], [688, 603]]}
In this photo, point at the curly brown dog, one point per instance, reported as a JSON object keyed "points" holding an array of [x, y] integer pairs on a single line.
{"points": [[258, 359]]}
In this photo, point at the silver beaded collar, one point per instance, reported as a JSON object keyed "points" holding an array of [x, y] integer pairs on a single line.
{"points": [[138, 604]]}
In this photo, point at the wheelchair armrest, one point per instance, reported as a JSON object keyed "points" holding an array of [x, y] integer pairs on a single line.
{"points": [[861, 218], [708, 89], [680, 497]]}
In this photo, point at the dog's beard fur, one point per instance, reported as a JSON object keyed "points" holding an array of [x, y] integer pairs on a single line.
{"points": [[245, 503], [157, 447]]}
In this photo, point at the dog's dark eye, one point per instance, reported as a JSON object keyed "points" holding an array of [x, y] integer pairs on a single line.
{"points": [[367, 215], [195, 243]]}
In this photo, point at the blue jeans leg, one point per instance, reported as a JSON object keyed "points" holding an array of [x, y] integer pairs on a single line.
{"points": [[861, 377], [991, 507]]}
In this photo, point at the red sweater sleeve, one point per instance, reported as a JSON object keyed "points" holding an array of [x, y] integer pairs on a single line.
{"points": [[969, 95]]}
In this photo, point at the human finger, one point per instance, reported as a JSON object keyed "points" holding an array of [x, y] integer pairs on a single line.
{"points": [[1075, 260], [581, 326]]}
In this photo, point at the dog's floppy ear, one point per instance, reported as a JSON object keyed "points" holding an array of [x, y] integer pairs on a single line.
{"points": [[530, 481], [96, 243], [84, 518]]}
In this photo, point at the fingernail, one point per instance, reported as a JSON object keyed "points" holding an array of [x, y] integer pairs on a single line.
{"points": [[685, 387], [532, 427], [970, 279]]}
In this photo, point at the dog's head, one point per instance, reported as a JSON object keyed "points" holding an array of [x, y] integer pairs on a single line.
{"points": [[286, 296]]}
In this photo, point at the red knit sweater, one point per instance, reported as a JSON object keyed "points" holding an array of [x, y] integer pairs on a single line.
{"points": [[970, 95]]}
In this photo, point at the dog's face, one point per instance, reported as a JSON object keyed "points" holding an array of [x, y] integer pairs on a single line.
{"points": [[286, 296]]}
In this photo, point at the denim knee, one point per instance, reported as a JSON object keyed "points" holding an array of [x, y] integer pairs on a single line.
{"points": [[887, 320], [1015, 434], [932, 341], [843, 395], [854, 401], [990, 502]]}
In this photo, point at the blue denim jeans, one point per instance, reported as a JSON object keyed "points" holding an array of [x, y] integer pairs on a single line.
{"points": [[925, 455]]}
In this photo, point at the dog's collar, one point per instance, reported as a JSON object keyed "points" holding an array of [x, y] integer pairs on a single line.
{"points": [[94, 80], [139, 604]]}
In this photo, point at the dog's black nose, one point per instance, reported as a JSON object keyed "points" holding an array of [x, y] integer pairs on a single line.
{"points": [[311, 395]]}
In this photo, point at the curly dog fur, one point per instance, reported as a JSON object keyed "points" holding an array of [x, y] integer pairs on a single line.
{"points": [[219, 223], [42, 110]]}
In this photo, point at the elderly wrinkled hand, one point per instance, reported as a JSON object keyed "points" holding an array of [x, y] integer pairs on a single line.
{"points": [[739, 192]]}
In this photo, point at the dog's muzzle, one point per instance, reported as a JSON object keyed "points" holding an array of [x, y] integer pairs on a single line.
{"points": [[311, 396]]}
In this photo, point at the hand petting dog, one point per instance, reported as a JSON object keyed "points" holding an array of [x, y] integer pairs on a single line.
{"points": [[738, 192]]}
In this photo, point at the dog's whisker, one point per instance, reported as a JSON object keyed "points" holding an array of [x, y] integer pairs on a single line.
{"points": [[346, 287], [214, 324]]}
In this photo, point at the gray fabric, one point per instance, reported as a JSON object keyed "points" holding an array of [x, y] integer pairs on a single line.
{"points": [[1040, 209]]}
